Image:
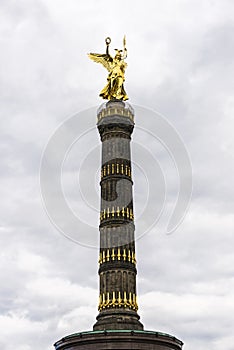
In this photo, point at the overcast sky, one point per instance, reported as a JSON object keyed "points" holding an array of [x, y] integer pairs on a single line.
{"points": [[180, 64]]}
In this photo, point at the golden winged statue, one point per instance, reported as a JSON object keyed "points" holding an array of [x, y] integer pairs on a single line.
{"points": [[114, 89]]}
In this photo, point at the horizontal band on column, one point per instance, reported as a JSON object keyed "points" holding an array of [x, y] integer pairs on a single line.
{"points": [[117, 212], [117, 255], [123, 112], [116, 169], [118, 299]]}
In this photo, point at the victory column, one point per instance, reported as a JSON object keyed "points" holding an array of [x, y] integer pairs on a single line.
{"points": [[118, 325]]}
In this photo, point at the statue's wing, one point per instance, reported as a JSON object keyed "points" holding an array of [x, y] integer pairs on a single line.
{"points": [[104, 59]]}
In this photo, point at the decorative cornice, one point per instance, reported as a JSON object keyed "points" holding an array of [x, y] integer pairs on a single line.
{"points": [[112, 129], [120, 111]]}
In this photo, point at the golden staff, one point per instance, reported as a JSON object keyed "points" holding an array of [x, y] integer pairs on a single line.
{"points": [[124, 45]]}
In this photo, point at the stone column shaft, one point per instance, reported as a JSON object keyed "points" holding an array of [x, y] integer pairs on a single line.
{"points": [[117, 261]]}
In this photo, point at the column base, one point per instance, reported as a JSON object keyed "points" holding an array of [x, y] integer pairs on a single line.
{"points": [[118, 319]]}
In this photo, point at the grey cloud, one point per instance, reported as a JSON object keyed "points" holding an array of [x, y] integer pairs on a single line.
{"points": [[179, 63]]}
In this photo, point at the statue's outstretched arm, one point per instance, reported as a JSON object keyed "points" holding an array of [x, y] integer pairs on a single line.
{"points": [[108, 41], [105, 59]]}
